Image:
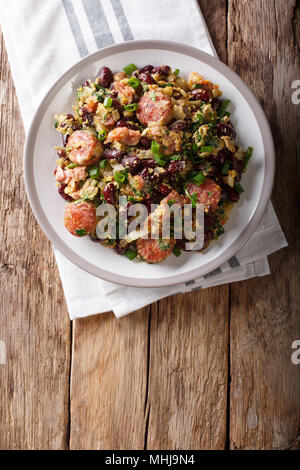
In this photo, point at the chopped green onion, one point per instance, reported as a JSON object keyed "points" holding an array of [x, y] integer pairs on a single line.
{"points": [[56, 124], [220, 229], [81, 232], [199, 178], [158, 157], [238, 188], [222, 111], [107, 102], [153, 96], [99, 87], [145, 87], [171, 202], [176, 251], [225, 168], [192, 197], [225, 105], [175, 158], [72, 165], [103, 164], [206, 149], [129, 69], [131, 107], [119, 177], [159, 160], [176, 72], [134, 82], [130, 254], [155, 147], [101, 135], [164, 85], [94, 172], [163, 244], [247, 157]]}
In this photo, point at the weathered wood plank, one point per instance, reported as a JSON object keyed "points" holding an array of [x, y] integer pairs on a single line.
{"points": [[188, 371], [265, 388], [109, 382], [34, 325]]}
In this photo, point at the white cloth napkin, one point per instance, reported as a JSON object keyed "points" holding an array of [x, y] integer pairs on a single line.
{"points": [[43, 39]]}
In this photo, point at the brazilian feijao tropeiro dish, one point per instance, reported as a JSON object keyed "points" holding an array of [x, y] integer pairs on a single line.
{"points": [[156, 138]]}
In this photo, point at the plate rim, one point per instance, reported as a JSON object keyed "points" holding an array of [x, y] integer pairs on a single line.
{"points": [[244, 235]]}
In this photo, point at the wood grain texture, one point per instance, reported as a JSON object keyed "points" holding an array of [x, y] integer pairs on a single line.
{"points": [[109, 382], [187, 396], [33, 319], [265, 389]]}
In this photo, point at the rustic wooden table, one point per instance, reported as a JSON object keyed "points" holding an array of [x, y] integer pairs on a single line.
{"points": [[206, 370]]}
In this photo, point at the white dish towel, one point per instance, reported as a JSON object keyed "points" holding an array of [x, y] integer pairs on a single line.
{"points": [[43, 39]]}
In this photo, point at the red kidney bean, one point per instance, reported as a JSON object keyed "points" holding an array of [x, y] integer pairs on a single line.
{"points": [[65, 139], [226, 129], [200, 94], [216, 104], [86, 116], [147, 68], [157, 175], [208, 236], [162, 70], [149, 163], [131, 162], [177, 95], [164, 189], [109, 193], [87, 83], [95, 239], [105, 77], [116, 104], [145, 143], [70, 116], [178, 126], [231, 193], [113, 154], [238, 166], [146, 78], [202, 166], [209, 220], [61, 153], [61, 192], [123, 123], [121, 248], [77, 126], [224, 155], [175, 167], [144, 173], [182, 244]]}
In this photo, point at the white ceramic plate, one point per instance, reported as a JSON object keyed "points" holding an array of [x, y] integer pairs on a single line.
{"points": [[252, 129]]}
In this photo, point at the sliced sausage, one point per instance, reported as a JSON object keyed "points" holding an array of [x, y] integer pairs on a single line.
{"points": [[154, 107], [208, 193], [155, 251], [124, 135], [84, 148], [80, 218]]}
